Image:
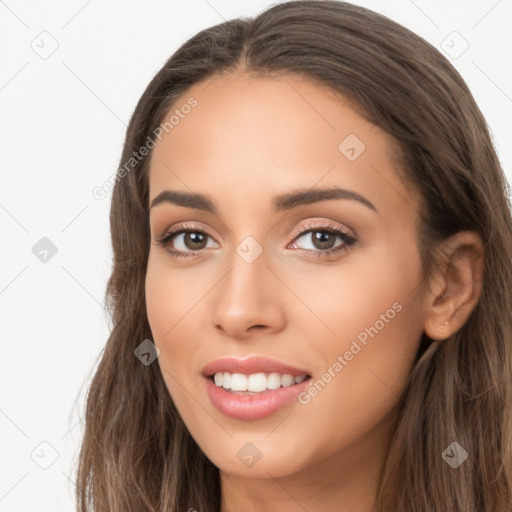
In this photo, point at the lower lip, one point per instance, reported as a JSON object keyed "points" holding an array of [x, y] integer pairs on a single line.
{"points": [[253, 407]]}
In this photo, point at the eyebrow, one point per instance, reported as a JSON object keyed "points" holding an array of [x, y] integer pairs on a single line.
{"points": [[279, 203]]}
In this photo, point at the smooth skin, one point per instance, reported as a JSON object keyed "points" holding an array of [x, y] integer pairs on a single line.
{"points": [[247, 140]]}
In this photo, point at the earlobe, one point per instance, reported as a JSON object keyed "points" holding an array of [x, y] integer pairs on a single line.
{"points": [[455, 289]]}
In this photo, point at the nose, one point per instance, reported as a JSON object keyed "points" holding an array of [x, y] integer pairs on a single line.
{"points": [[248, 300]]}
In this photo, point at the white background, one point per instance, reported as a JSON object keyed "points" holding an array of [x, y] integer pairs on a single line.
{"points": [[63, 120]]}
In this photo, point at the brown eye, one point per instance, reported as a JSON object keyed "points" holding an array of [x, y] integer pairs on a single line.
{"points": [[185, 242], [322, 241], [194, 240]]}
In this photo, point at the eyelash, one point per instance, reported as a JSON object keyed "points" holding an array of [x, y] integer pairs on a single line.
{"points": [[349, 240]]}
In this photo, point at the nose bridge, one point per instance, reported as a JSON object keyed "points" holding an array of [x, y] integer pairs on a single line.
{"points": [[245, 297]]}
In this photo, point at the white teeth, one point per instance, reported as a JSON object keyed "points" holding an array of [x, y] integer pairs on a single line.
{"points": [[287, 380], [226, 380], [274, 381], [219, 379], [238, 382], [255, 382]]}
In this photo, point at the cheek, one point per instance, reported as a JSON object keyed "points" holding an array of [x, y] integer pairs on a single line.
{"points": [[170, 295], [375, 314], [169, 301], [161, 299], [351, 298], [175, 305]]}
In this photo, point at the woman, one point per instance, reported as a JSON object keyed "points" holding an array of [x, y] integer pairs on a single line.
{"points": [[311, 285]]}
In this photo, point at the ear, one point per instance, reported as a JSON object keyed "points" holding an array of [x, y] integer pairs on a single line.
{"points": [[455, 289]]}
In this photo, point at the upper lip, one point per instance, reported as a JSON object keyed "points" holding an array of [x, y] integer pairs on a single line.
{"points": [[250, 365]]}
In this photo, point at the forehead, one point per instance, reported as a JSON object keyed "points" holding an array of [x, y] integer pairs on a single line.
{"points": [[250, 134]]}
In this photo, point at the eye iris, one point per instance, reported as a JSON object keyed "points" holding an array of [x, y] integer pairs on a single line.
{"points": [[323, 239], [197, 240]]}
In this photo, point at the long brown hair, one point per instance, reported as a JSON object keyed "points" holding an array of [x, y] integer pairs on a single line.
{"points": [[137, 453]]}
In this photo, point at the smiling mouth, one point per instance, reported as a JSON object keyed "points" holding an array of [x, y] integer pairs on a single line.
{"points": [[255, 383]]}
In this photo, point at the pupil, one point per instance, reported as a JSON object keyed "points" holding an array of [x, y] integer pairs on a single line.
{"points": [[195, 239], [323, 240]]}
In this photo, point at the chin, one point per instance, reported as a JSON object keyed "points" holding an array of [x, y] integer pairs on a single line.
{"points": [[252, 456]]}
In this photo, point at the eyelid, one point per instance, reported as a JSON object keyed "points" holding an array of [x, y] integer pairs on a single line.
{"points": [[185, 226], [312, 225], [321, 224]]}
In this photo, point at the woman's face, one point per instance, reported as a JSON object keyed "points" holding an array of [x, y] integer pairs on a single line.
{"points": [[271, 266]]}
